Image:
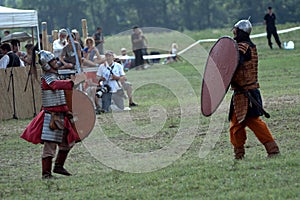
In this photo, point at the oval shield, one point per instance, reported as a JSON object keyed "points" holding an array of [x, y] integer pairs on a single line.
{"points": [[84, 115], [219, 70]]}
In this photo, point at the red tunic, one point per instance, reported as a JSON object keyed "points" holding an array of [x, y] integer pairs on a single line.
{"points": [[33, 131]]}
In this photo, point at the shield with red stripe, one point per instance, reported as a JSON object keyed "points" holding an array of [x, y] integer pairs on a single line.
{"points": [[219, 70]]}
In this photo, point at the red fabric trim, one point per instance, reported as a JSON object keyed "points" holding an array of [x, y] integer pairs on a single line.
{"points": [[33, 131]]}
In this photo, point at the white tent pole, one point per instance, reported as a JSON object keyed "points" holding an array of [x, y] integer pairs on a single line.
{"points": [[32, 36], [38, 37]]}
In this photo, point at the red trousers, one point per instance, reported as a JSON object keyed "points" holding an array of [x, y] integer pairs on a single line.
{"points": [[238, 135]]}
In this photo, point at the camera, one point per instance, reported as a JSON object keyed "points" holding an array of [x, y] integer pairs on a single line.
{"points": [[101, 90]]}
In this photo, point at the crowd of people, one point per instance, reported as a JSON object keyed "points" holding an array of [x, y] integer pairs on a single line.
{"points": [[92, 54], [89, 53]]}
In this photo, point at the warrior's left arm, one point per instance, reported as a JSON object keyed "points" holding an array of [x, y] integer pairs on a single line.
{"points": [[244, 56]]}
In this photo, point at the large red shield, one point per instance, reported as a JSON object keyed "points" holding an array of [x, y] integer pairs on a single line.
{"points": [[220, 67], [84, 115]]}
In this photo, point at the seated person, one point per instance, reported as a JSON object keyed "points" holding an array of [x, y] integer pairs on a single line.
{"points": [[91, 54], [92, 58], [67, 57], [174, 50], [60, 43], [127, 86], [126, 62], [77, 38]]}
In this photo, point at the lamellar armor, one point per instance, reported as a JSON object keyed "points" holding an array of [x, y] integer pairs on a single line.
{"points": [[52, 97]]}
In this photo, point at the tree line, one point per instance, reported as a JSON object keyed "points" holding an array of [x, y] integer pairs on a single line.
{"points": [[115, 16]]}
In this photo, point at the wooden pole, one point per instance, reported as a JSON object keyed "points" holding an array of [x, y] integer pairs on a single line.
{"points": [[84, 29], [44, 36]]}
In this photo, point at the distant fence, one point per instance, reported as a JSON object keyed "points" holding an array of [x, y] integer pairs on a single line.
{"points": [[25, 105]]}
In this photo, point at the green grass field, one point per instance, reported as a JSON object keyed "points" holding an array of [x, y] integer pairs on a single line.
{"points": [[165, 148]]}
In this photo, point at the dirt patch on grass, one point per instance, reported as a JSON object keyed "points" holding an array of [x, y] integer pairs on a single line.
{"points": [[282, 101]]}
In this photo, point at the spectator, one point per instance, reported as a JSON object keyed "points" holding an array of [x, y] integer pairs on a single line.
{"points": [[77, 38], [145, 48], [174, 49], [68, 56], [92, 58], [60, 43], [269, 21], [137, 47], [110, 73], [125, 60], [126, 63], [90, 53], [15, 44], [127, 86], [99, 40], [6, 32], [9, 59], [27, 58]]}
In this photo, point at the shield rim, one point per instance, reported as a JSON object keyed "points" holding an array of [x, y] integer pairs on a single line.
{"points": [[93, 114], [227, 87]]}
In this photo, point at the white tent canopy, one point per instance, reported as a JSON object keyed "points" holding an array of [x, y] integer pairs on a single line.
{"points": [[15, 18]]}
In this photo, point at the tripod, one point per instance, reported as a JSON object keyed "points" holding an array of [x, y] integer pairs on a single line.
{"points": [[11, 80], [32, 89]]}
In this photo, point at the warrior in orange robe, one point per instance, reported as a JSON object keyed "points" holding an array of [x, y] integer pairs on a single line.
{"points": [[246, 104]]}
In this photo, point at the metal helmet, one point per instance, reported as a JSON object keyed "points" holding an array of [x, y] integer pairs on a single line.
{"points": [[244, 25], [44, 58]]}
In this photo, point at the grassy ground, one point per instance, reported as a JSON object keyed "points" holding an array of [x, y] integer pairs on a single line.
{"points": [[165, 148]]}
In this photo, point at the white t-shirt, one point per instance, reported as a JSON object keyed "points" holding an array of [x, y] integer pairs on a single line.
{"points": [[174, 50], [58, 47], [105, 71]]}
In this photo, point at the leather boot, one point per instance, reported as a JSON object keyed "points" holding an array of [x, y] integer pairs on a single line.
{"points": [[59, 163], [46, 167], [272, 149], [239, 153]]}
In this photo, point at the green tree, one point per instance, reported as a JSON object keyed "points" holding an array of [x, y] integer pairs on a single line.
{"points": [[115, 16]]}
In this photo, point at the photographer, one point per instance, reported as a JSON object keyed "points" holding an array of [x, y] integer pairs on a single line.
{"points": [[110, 73]]}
